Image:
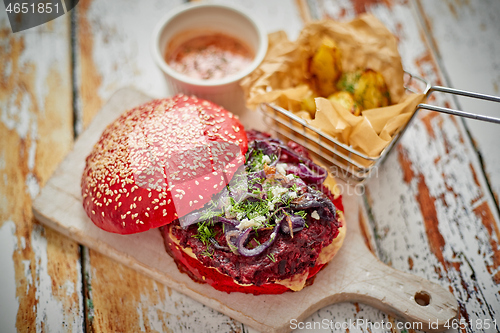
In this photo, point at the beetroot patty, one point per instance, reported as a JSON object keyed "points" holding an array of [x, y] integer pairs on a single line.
{"points": [[270, 223], [286, 257]]}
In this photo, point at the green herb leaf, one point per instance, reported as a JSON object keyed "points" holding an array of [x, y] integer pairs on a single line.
{"points": [[209, 254], [205, 232]]}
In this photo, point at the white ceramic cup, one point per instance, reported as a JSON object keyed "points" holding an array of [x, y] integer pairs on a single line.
{"points": [[183, 23]]}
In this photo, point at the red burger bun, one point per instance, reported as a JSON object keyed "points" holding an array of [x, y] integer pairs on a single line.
{"points": [[160, 161]]}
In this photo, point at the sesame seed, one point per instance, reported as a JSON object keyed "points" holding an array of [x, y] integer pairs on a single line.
{"points": [[133, 159]]}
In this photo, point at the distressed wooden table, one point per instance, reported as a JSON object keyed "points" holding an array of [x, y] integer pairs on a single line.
{"points": [[434, 204]]}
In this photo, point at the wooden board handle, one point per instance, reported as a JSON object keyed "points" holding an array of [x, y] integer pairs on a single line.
{"points": [[405, 296]]}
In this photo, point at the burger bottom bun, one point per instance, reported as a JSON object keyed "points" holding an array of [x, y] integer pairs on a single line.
{"points": [[188, 263]]}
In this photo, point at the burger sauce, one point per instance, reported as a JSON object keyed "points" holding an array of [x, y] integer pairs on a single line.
{"points": [[210, 56]]}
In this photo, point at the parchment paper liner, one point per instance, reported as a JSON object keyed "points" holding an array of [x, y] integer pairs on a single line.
{"points": [[365, 42]]}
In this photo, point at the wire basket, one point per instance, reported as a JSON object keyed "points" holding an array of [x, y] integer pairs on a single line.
{"points": [[344, 161]]}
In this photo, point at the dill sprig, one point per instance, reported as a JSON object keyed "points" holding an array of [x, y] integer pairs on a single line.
{"points": [[205, 232], [207, 253]]}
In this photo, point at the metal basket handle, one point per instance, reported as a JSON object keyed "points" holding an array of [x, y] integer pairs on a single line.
{"points": [[459, 112]]}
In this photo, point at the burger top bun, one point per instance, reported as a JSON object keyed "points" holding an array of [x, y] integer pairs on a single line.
{"points": [[160, 161]]}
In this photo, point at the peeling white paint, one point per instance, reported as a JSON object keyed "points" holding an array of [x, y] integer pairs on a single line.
{"points": [[32, 148], [152, 314], [32, 185], [49, 311], [3, 162], [9, 302], [8, 69], [78, 326], [70, 288], [141, 319], [27, 272], [14, 117], [88, 280], [178, 312], [35, 51], [36, 40], [467, 35]]}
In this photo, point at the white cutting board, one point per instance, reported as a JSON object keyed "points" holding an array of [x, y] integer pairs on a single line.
{"points": [[354, 275]]}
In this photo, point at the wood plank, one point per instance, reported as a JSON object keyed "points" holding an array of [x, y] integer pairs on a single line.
{"points": [[466, 37], [432, 212], [353, 275], [41, 268], [112, 52], [417, 57]]}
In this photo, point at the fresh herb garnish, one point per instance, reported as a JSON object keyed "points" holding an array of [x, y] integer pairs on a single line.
{"points": [[271, 256], [209, 254], [250, 209], [211, 211], [257, 159], [257, 214], [205, 232], [301, 213]]}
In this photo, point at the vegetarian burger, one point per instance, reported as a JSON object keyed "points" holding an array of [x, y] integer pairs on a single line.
{"points": [[238, 210]]}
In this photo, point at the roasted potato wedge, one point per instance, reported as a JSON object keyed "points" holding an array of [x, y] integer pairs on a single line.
{"points": [[308, 104], [368, 87], [348, 81], [325, 67], [371, 90], [346, 99]]}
